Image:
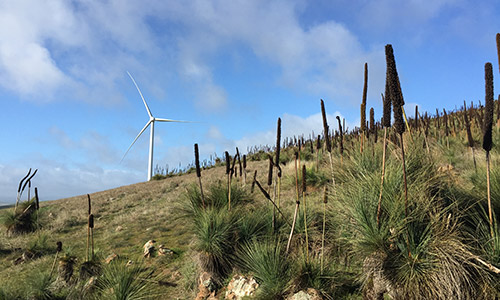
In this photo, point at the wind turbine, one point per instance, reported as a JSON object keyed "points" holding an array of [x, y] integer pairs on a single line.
{"points": [[151, 122]]}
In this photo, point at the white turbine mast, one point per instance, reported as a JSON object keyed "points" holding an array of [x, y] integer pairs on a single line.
{"points": [[151, 122]]}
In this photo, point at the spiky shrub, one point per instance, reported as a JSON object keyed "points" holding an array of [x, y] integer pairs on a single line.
{"points": [[8, 294], [121, 282], [215, 234], [267, 262], [308, 274], [21, 221], [90, 268], [477, 195], [38, 286], [216, 198], [256, 224], [441, 265], [39, 245]]}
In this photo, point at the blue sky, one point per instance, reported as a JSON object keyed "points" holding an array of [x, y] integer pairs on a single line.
{"points": [[69, 109]]}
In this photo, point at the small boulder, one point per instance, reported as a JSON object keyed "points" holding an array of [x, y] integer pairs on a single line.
{"points": [[27, 255], [110, 258], [207, 287], [309, 294], [241, 286], [162, 250], [119, 228], [149, 248]]}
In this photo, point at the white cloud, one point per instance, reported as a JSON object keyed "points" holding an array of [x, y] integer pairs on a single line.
{"points": [[324, 59], [212, 97], [82, 49], [56, 181]]}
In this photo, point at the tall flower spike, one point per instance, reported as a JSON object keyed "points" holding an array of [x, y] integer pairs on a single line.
{"points": [[386, 119], [228, 163], [372, 120], [498, 48], [488, 107], [363, 102], [394, 89], [278, 142], [325, 127], [197, 160]]}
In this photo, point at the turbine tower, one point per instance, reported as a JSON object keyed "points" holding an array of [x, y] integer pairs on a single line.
{"points": [[151, 122]]}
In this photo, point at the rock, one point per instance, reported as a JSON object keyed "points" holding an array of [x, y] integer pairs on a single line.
{"points": [[376, 282], [207, 281], [149, 248], [207, 287], [162, 250], [309, 294], [241, 286], [119, 228], [110, 258], [27, 255]]}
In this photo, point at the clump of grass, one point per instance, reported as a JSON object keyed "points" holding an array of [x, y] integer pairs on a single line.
{"points": [[216, 197], [441, 264], [7, 294], [254, 225], [308, 273], [267, 262], [125, 282], [215, 234], [39, 286], [21, 221], [39, 245]]}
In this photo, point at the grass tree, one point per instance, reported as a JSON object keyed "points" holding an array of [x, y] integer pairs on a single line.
{"points": [[363, 107], [198, 172], [399, 127], [277, 159], [470, 140], [487, 134]]}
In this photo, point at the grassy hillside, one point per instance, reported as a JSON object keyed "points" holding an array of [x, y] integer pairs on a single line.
{"points": [[447, 205], [408, 211]]}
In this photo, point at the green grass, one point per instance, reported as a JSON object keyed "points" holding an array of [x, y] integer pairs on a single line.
{"points": [[430, 253], [121, 282], [266, 260]]}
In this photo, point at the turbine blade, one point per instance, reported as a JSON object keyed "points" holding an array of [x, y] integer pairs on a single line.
{"points": [[140, 93], [147, 124], [170, 120]]}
